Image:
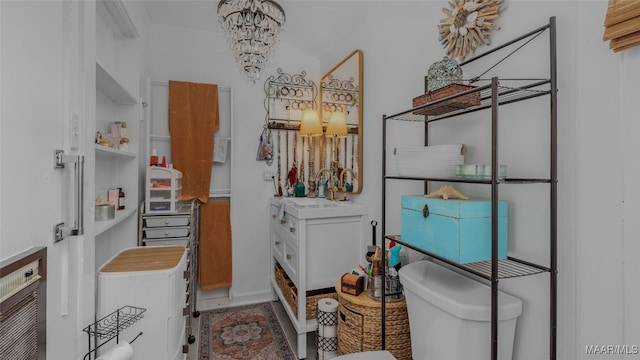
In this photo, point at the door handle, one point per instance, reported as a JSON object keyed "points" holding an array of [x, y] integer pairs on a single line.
{"points": [[60, 159]]}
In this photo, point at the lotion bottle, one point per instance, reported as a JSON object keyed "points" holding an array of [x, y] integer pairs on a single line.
{"points": [[153, 161]]}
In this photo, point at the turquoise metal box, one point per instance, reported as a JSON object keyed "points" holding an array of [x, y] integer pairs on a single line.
{"points": [[457, 230]]}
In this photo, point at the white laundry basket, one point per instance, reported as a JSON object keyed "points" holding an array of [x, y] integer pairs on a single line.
{"points": [[152, 278]]}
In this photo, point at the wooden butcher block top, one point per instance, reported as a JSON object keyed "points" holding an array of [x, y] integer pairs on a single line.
{"points": [[145, 258]]}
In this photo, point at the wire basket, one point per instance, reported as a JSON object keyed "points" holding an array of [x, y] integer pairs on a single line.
{"points": [[447, 106]]}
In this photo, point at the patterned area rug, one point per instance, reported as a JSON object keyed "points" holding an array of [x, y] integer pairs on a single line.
{"points": [[245, 332]]}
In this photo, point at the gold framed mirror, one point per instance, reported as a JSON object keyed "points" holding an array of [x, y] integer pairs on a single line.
{"points": [[340, 98]]}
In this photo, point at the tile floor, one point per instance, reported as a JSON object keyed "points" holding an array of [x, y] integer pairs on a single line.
{"points": [[290, 332]]}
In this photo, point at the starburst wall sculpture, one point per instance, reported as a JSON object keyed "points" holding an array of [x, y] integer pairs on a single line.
{"points": [[468, 24]]}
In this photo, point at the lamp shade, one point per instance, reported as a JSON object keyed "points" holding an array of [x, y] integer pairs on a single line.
{"points": [[337, 126], [310, 124]]}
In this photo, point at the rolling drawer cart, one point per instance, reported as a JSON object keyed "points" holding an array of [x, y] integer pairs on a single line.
{"points": [[496, 93], [178, 228]]}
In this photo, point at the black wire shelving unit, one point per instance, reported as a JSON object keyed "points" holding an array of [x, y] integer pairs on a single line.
{"points": [[494, 93]]}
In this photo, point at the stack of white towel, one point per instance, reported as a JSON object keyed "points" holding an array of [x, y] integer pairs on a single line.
{"points": [[429, 161]]}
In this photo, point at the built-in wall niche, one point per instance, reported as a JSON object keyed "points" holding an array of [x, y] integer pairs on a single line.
{"points": [[304, 157]]}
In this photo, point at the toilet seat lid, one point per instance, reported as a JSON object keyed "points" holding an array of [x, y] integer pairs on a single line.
{"points": [[456, 294]]}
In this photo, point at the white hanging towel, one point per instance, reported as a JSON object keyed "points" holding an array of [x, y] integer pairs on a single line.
{"points": [[220, 146]]}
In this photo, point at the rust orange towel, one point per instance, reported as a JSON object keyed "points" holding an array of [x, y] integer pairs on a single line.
{"points": [[193, 120], [214, 251]]}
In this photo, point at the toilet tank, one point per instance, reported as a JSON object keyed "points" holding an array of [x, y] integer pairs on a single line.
{"points": [[450, 314]]}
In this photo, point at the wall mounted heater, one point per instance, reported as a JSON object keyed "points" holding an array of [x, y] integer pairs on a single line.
{"points": [[23, 305]]}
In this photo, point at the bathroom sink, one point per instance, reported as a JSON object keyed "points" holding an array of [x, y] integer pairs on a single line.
{"points": [[313, 202], [319, 207]]}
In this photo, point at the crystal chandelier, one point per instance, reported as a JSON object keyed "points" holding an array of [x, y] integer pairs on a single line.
{"points": [[252, 28]]}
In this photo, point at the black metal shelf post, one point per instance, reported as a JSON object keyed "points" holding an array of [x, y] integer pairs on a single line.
{"points": [[492, 96]]}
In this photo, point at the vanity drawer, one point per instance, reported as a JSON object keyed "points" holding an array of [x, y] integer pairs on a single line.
{"points": [[284, 221], [290, 261], [166, 241], [277, 246], [166, 232], [274, 214], [286, 234], [288, 226], [166, 221]]}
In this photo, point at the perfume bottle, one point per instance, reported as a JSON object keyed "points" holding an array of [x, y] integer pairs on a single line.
{"points": [[299, 189], [322, 187]]}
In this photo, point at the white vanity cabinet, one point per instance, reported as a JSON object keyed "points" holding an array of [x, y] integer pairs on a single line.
{"points": [[315, 241]]}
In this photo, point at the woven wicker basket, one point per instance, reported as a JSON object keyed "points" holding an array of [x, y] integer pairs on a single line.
{"points": [[444, 107], [359, 327], [290, 293]]}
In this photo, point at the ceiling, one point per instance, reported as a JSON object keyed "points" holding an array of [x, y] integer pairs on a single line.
{"points": [[309, 23]]}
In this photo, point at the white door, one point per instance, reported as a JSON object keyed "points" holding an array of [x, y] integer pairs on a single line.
{"points": [[43, 86]]}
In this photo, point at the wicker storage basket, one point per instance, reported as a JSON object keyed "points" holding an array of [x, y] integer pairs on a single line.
{"points": [[290, 293], [359, 327], [444, 107]]}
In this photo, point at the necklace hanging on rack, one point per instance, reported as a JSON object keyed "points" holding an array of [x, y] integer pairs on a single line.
{"points": [[279, 164], [293, 172], [302, 151], [344, 164], [286, 164]]}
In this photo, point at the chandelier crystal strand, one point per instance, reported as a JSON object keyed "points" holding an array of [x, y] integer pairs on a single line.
{"points": [[252, 28]]}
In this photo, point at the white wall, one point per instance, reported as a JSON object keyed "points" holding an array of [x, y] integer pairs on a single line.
{"points": [[40, 72], [629, 90], [607, 207], [198, 56]]}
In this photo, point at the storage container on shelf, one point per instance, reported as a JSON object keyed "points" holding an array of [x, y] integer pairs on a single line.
{"points": [[457, 230], [163, 189]]}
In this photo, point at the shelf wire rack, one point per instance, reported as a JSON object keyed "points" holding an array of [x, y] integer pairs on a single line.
{"points": [[110, 326], [509, 91]]}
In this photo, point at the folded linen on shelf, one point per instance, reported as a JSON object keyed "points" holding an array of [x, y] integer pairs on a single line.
{"points": [[429, 161]]}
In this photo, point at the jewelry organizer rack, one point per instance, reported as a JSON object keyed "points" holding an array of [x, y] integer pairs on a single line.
{"points": [[110, 326], [287, 96], [340, 95]]}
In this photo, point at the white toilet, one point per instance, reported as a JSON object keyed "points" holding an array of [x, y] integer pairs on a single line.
{"points": [[450, 316]]}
